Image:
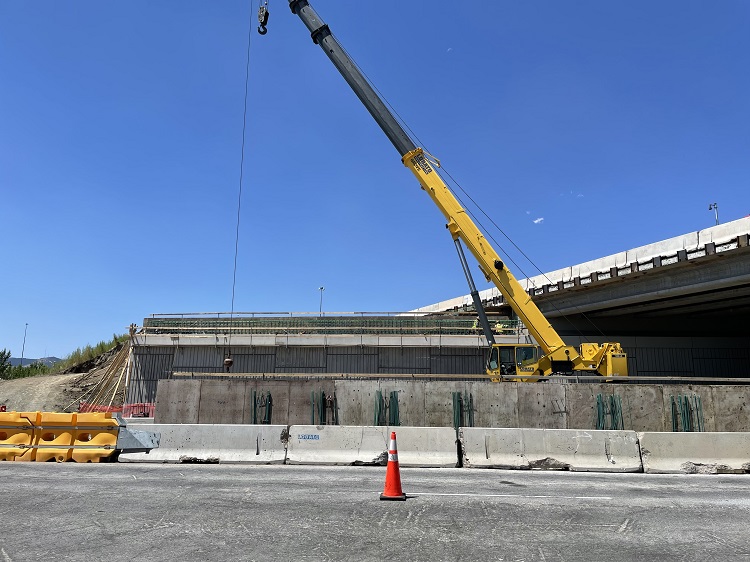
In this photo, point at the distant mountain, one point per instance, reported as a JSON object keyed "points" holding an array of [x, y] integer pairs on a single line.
{"points": [[49, 361]]}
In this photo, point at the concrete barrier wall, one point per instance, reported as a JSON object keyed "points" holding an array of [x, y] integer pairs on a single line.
{"points": [[305, 444], [645, 408], [502, 448], [426, 447], [691, 453], [337, 445], [258, 444], [562, 449], [368, 445]]}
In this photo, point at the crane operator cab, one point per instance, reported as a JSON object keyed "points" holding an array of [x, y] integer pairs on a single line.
{"points": [[513, 360]]}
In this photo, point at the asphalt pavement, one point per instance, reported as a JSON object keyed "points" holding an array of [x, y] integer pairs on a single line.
{"points": [[174, 512]]}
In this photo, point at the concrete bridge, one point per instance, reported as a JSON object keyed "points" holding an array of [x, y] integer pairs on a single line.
{"points": [[694, 285]]}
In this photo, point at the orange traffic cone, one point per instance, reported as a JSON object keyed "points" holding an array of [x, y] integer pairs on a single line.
{"points": [[392, 490]]}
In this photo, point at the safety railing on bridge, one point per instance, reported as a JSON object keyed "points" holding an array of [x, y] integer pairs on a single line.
{"points": [[330, 323]]}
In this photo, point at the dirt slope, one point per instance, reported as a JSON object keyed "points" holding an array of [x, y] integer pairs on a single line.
{"points": [[45, 393], [58, 393]]}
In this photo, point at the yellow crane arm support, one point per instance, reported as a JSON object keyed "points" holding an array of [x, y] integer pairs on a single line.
{"points": [[461, 226]]}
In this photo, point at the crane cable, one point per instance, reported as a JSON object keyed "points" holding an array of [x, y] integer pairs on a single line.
{"points": [[228, 361], [528, 277]]}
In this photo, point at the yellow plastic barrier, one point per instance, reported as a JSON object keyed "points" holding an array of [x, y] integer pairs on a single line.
{"points": [[95, 437], [59, 437], [16, 437], [54, 437]]}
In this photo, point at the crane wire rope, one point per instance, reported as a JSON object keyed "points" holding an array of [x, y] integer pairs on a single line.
{"points": [[479, 207], [242, 176]]}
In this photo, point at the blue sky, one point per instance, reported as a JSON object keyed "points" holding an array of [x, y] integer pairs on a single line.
{"points": [[617, 123]]}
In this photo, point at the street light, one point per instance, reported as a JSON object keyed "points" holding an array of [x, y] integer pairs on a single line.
{"points": [[715, 208], [23, 348], [321, 289]]}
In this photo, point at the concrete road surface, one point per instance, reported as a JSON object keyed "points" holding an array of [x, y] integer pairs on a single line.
{"points": [[240, 512]]}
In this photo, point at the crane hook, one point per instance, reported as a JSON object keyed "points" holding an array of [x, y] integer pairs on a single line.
{"points": [[263, 18]]}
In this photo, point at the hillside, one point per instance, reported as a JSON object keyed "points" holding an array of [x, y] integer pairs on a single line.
{"points": [[99, 380], [48, 361]]}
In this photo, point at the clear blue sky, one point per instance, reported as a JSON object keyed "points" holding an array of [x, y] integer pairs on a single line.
{"points": [[617, 123]]}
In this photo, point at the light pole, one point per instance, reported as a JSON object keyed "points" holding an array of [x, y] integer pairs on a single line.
{"points": [[321, 289], [23, 348], [715, 208]]}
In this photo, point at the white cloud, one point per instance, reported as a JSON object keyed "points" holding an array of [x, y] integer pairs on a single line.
{"points": [[537, 221]]}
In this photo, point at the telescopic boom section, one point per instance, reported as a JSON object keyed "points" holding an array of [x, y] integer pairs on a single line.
{"points": [[459, 223], [322, 36]]}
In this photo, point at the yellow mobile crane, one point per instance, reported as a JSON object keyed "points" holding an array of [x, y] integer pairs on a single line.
{"points": [[517, 361]]}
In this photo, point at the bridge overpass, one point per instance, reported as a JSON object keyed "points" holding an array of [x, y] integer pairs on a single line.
{"points": [[694, 285]]}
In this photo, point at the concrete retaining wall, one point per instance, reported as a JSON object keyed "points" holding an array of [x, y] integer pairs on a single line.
{"points": [[645, 408]]}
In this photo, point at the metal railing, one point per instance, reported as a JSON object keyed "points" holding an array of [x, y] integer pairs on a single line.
{"points": [[330, 323]]}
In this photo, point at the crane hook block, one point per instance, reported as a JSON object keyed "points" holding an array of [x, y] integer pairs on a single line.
{"points": [[263, 18]]}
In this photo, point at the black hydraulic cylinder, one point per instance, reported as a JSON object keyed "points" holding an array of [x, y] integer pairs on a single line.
{"points": [[481, 314], [322, 35]]}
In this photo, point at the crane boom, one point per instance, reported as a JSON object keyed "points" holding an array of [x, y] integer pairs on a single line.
{"points": [[606, 359]]}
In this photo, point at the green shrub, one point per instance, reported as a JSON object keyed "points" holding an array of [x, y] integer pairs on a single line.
{"points": [[19, 372], [81, 355]]}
